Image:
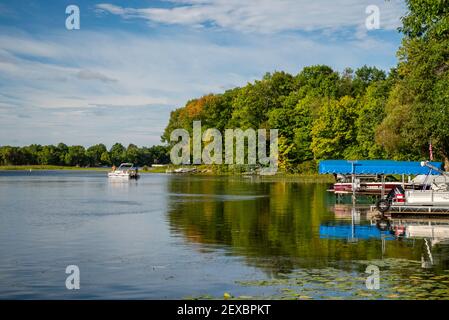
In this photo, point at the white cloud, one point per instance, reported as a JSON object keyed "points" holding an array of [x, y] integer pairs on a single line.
{"points": [[266, 16], [95, 86]]}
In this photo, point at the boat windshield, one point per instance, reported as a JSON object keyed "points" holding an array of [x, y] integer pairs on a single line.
{"points": [[126, 166]]}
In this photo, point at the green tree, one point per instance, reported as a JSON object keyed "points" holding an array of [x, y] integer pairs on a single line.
{"points": [[319, 81], [333, 133], [48, 156], [371, 115], [254, 101], [218, 110], [423, 71], [133, 154], [62, 150], [11, 155], [76, 156], [105, 159], [94, 154], [117, 154], [364, 77], [31, 153], [160, 154]]}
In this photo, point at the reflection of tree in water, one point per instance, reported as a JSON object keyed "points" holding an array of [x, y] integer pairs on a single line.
{"points": [[274, 225]]}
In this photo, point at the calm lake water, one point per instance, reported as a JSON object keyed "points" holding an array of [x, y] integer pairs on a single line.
{"points": [[167, 236]]}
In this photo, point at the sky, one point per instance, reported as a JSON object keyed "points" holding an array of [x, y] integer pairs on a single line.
{"points": [[131, 63]]}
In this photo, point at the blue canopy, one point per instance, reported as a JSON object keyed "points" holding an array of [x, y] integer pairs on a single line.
{"points": [[348, 231], [374, 167]]}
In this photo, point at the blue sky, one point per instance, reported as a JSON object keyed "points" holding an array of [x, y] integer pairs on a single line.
{"points": [[132, 62]]}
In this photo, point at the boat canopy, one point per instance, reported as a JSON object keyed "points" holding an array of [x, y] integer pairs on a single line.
{"points": [[374, 167], [348, 231]]}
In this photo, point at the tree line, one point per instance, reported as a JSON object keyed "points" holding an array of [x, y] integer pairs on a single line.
{"points": [[366, 113], [94, 156]]}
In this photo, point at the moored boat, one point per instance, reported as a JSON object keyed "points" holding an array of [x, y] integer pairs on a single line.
{"points": [[434, 193]]}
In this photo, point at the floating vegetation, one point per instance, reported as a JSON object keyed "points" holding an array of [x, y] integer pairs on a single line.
{"points": [[400, 279]]}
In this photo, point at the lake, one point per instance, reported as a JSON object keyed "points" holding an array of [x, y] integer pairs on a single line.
{"points": [[184, 237]]}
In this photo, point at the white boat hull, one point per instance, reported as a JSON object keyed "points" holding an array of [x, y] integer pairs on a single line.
{"points": [[119, 175], [427, 197]]}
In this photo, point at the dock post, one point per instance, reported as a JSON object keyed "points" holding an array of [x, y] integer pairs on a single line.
{"points": [[382, 192]]}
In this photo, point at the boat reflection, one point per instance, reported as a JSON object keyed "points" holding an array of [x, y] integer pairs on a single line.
{"points": [[277, 226], [433, 232], [121, 185]]}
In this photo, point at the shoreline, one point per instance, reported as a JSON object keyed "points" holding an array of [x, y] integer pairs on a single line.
{"points": [[49, 168], [281, 176]]}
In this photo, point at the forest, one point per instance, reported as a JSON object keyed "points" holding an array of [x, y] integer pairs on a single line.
{"points": [[365, 113], [94, 156]]}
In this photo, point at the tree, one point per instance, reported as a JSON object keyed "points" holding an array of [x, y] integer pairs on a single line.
{"points": [[94, 154], [423, 72], [48, 155], [76, 156], [294, 122], [30, 153], [178, 120], [133, 154], [254, 101], [218, 110], [333, 133], [371, 115], [318, 81], [365, 76], [160, 154], [117, 154], [11, 155], [62, 150], [105, 159]]}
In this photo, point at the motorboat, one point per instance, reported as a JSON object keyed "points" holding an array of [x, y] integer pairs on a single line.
{"points": [[125, 171]]}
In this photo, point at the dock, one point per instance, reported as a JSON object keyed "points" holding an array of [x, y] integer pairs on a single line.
{"points": [[413, 210]]}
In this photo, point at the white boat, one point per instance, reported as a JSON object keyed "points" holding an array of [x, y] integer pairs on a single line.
{"points": [[434, 193], [125, 171]]}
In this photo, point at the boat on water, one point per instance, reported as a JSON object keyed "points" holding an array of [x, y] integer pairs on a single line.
{"points": [[125, 171], [434, 193], [375, 177], [371, 185]]}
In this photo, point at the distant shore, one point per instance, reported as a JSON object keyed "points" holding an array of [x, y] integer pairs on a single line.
{"points": [[281, 176], [49, 167]]}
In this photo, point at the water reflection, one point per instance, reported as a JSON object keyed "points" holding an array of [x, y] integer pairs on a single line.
{"points": [[174, 237], [298, 222], [432, 234], [300, 237]]}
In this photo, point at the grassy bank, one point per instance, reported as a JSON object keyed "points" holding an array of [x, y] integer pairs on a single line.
{"points": [[236, 171], [300, 177], [202, 170], [48, 167]]}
